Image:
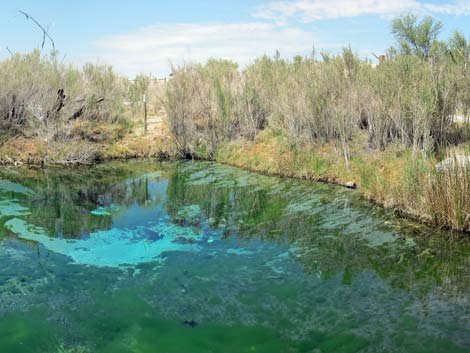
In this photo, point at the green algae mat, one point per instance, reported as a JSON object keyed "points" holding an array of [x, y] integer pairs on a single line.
{"points": [[202, 258]]}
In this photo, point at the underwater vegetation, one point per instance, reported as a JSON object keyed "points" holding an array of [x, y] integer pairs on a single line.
{"points": [[109, 248], [199, 257]]}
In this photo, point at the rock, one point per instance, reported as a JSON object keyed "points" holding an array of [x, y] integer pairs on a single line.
{"points": [[184, 241], [190, 323], [351, 185]]}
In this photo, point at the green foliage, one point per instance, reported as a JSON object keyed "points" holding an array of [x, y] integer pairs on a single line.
{"points": [[405, 98], [137, 88], [448, 195], [459, 48], [416, 37], [409, 101], [201, 106]]}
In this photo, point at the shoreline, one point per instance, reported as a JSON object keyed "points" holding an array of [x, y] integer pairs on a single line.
{"points": [[401, 213], [163, 156]]}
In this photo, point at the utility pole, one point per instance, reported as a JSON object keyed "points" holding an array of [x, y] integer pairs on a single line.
{"points": [[145, 114]]}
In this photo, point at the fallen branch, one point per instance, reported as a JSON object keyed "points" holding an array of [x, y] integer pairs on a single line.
{"points": [[82, 109]]}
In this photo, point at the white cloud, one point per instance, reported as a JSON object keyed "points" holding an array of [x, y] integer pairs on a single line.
{"points": [[312, 10], [151, 49]]}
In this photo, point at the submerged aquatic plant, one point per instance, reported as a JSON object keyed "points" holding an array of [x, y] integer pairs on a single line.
{"points": [[189, 215], [116, 247], [105, 211], [11, 208], [8, 186]]}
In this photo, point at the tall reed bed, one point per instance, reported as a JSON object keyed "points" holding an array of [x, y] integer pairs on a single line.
{"points": [[448, 194]]}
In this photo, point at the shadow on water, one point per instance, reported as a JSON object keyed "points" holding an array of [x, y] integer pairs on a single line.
{"points": [[199, 257]]}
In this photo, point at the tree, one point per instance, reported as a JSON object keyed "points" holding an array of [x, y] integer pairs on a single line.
{"points": [[137, 88], [416, 37], [459, 48]]}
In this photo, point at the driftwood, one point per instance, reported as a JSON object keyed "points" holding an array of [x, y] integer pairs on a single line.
{"points": [[84, 107], [71, 162], [58, 105]]}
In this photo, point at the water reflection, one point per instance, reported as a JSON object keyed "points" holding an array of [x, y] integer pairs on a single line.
{"points": [[204, 242]]}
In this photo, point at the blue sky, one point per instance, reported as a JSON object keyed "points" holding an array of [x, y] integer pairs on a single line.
{"points": [[148, 36]]}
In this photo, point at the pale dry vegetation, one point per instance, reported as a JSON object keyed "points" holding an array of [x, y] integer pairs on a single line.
{"points": [[60, 106], [324, 117], [406, 103]]}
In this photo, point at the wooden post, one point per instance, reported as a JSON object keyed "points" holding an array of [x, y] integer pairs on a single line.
{"points": [[145, 114]]}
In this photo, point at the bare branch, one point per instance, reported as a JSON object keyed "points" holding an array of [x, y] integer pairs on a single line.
{"points": [[63, 59], [45, 33], [11, 53]]}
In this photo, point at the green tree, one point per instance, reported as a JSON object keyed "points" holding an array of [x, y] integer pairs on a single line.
{"points": [[459, 48], [137, 88], [414, 36]]}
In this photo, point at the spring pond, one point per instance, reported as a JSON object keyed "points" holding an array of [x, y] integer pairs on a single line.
{"points": [[202, 258]]}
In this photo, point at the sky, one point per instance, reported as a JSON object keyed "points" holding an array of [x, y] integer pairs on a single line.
{"points": [[144, 36]]}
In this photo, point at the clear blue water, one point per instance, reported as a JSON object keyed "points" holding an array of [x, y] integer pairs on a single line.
{"points": [[200, 257]]}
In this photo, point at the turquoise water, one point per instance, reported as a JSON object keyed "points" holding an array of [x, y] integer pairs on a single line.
{"points": [[199, 257]]}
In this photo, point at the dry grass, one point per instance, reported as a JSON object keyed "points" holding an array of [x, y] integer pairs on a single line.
{"points": [[392, 177], [448, 196]]}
